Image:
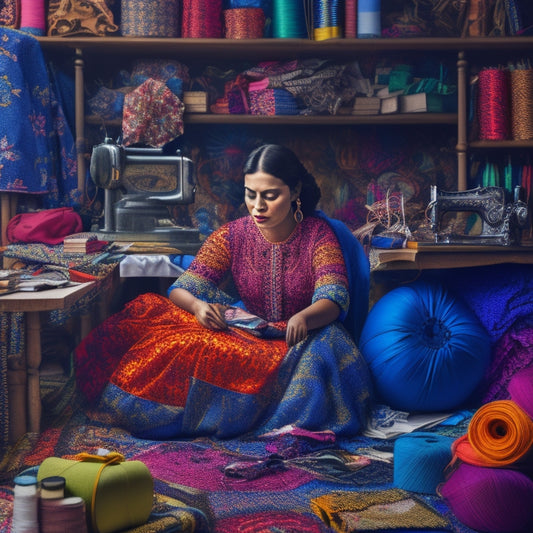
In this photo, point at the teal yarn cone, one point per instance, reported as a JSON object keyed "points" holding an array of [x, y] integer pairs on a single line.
{"points": [[419, 461]]}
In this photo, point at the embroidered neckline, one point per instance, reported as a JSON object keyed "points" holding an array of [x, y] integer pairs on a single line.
{"points": [[277, 243]]}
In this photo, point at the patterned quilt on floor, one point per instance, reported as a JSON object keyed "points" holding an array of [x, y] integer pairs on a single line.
{"points": [[239, 485]]}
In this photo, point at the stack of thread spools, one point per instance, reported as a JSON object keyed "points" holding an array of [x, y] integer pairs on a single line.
{"points": [[490, 487], [43, 508], [505, 102]]}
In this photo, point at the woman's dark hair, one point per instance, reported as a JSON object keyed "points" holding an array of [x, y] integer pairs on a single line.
{"points": [[282, 163]]}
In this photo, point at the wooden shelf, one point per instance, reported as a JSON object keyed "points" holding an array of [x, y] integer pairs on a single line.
{"points": [[401, 119], [507, 144], [306, 120], [260, 48]]}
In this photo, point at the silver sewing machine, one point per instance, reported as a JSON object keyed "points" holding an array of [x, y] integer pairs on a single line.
{"points": [[139, 186], [501, 221]]}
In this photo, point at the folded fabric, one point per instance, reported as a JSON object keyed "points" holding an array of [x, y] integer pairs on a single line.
{"points": [[159, 69], [152, 115], [499, 434], [386, 510], [26, 281], [107, 103]]}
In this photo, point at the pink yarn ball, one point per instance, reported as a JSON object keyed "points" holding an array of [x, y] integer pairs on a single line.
{"points": [[494, 500]]}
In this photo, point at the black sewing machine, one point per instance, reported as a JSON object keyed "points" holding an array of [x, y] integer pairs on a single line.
{"points": [[501, 221], [139, 184]]}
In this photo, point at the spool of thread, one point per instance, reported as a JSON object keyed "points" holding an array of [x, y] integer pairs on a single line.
{"points": [[25, 505], [494, 500], [522, 104], [368, 19], [202, 19], [244, 23], [52, 488], [325, 20], [63, 515], [156, 18], [520, 389], [288, 19], [494, 104], [33, 17], [350, 19], [419, 461]]}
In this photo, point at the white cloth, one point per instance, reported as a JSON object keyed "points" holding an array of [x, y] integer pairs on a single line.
{"points": [[145, 266]]}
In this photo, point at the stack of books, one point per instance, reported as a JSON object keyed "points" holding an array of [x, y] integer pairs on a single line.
{"points": [[366, 105], [195, 101], [83, 243]]}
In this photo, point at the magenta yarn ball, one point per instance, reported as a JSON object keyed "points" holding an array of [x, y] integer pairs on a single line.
{"points": [[493, 500]]}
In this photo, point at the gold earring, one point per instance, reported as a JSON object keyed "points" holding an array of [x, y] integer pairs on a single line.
{"points": [[298, 215]]}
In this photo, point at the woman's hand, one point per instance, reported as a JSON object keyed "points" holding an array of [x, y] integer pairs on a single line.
{"points": [[296, 329], [210, 316], [317, 315]]}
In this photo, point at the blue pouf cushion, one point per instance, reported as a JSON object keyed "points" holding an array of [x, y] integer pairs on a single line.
{"points": [[427, 351]]}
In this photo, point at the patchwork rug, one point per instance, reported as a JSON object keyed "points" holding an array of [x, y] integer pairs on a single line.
{"points": [[235, 485]]}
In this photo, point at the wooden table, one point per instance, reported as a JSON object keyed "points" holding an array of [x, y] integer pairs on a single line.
{"points": [[25, 409]]}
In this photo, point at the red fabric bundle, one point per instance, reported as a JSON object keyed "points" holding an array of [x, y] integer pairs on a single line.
{"points": [[50, 226]]}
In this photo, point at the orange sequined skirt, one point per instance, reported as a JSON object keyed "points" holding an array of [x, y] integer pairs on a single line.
{"points": [[154, 370], [175, 347]]}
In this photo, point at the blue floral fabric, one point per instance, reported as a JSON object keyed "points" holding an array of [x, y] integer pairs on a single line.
{"points": [[37, 151]]}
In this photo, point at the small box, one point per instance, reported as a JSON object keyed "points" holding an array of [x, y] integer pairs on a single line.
{"points": [[195, 101], [382, 75], [389, 105], [428, 103]]}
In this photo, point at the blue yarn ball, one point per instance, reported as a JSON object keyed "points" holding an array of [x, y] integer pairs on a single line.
{"points": [[426, 349]]}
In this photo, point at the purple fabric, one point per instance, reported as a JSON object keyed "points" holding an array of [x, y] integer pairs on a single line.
{"points": [[511, 354], [499, 295], [521, 388]]}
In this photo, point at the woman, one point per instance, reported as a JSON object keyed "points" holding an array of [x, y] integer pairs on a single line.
{"points": [[181, 367]]}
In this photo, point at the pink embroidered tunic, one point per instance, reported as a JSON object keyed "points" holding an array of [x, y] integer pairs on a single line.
{"points": [[273, 280]]}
